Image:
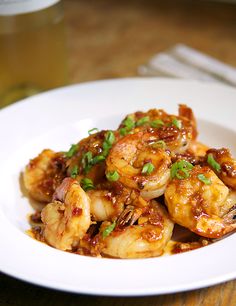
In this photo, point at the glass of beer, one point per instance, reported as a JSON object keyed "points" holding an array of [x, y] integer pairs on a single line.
{"points": [[32, 49]]}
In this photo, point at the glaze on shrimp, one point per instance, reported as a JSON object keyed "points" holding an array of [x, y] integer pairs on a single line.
{"points": [[146, 239], [128, 158], [227, 165], [118, 193], [67, 218], [44, 174], [202, 203]]}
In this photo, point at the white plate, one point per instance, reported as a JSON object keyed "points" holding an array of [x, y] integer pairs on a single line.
{"points": [[58, 118]]}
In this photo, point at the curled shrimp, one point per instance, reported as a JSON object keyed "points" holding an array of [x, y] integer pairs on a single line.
{"points": [[128, 158], [176, 131], [90, 153], [227, 166], [67, 218], [187, 113], [109, 204], [197, 148], [43, 174], [103, 205], [201, 203], [146, 239]]}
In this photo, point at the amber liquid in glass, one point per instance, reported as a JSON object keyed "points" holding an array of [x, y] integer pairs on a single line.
{"points": [[32, 53]]}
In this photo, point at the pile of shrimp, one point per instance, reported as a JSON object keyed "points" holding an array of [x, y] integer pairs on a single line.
{"points": [[120, 193]]}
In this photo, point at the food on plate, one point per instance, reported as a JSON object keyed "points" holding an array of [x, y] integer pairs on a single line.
{"points": [[147, 238], [201, 202], [67, 217], [128, 157], [43, 174], [129, 193]]}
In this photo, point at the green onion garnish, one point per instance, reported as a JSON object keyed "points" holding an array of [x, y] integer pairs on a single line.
{"points": [[142, 121], [107, 144], [105, 149], [87, 161], [112, 176], [74, 171], [156, 123], [87, 184], [213, 163], [108, 230], [148, 168], [181, 169], [93, 131], [159, 144], [97, 159], [129, 123], [72, 150], [123, 131], [177, 123], [204, 179], [110, 137]]}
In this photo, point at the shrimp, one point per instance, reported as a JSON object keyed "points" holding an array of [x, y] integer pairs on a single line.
{"points": [[197, 148], [146, 239], [187, 113], [102, 205], [227, 166], [90, 153], [43, 174], [109, 204], [139, 164], [67, 218], [176, 131], [202, 203]]}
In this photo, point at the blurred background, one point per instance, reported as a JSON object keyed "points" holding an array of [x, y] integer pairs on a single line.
{"points": [[71, 41]]}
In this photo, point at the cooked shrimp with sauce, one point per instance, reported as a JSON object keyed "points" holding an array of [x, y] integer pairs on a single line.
{"points": [[140, 164], [43, 174], [147, 238], [176, 132], [197, 199], [108, 205], [126, 193], [67, 218]]}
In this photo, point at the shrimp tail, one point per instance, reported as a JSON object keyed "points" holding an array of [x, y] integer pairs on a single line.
{"points": [[60, 192]]}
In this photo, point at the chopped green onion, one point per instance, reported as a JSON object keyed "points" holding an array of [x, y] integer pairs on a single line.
{"points": [[107, 144], [74, 171], [148, 168], [159, 144], [87, 161], [112, 176], [97, 159], [123, 131], [72, 150], [106, 149], [108, 230], [88, 156], [142, 121], [213, 163], [181, 169], [110, 137], [90, 132], [156, 123], [129, 123], [204, 179], [177, 123], [87, 184]]}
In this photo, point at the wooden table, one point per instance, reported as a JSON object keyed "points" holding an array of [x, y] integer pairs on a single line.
{"points": [[108, 39]]}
